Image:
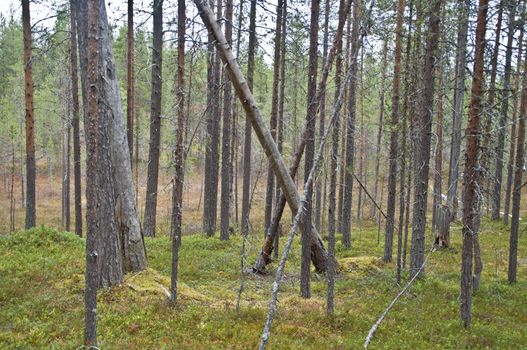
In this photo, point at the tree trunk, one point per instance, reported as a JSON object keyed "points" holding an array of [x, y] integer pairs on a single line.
{"points": [[471, 172], [75, 120], [226, 164], [269, 195], [132, 246], [438, 155], [247, 145], [459, 92], [380, 128], [422, 144], [350, 132], [30, 119], [510, 164], [500, 146], [517, 185], [312, 105], [392, 174], [179, 156], [149, 220], [333, 173], [130, 80], [320, 184], [490, 108]]}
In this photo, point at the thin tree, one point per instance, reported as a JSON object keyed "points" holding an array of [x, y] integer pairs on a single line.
{"points": [[246, 186], [312, 105], [380, 126], [179, 154], [130, 79], [392, 177], [350, 130], [472, 173], [75, 120], [512, 148], [226, 164], [149, 220], [333, 173], [30, 119], [213, 139], [463, 11], [517, 185], [500, 146], [422, 143], [269, 194]]}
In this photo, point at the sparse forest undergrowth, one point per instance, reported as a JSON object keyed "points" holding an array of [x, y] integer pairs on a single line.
{"points": [[42, 282]]}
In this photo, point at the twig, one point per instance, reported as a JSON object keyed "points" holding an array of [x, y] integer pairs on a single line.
{"points": [[385, 312]]}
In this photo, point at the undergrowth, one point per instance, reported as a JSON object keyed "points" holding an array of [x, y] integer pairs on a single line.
{"points": [[42, 283]]}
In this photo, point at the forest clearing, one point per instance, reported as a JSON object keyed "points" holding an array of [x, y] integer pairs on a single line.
{"points": [[224, 174]]}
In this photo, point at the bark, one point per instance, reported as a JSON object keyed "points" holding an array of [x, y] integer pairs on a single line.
{"points": [[312, 105], [149, 220], [226, 164], [517, 184], [320, 185], [319, 255], [179, 156], [422, 144], [512, 149], [459, 92], [130, 80], [438, 156], [392, 174], [500, 146], [132, 245], [101, 213], [350, 130], [30, 119], [380, 128], [75, 120], [472, 171], [333, 174], [247, 142], [269, 195]]}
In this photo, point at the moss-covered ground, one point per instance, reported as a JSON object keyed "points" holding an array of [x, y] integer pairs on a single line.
{"points": [[42, 281]]}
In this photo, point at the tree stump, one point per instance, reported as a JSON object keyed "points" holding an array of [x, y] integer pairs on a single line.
{"points": [[443, 226]]}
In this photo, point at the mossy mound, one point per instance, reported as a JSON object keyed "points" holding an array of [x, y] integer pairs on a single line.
{"points": [[360, 264]]}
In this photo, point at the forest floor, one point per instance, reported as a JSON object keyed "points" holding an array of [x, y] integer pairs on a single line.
{"points": [[42, 282]]}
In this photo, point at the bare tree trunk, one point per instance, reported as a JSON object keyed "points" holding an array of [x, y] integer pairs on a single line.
{"points": [[333, 172], [131, 240], [226, 165], [350, 132], [500, 146], [510, 164], [392, 174], [179, 156], [30, 119], [269, 195], [517, 185], [438, 155], [422, 144], [471, 172], [312, 105], [247, 144], [149, 220], [130, 80], [459, 92], [380, 128], [490, 108], [75, 120], [320, 184]]}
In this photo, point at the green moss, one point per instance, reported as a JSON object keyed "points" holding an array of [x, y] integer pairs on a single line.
{"points": [[42, 283]]}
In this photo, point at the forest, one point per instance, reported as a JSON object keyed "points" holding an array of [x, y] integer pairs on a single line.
{"points": [[270, 174]]}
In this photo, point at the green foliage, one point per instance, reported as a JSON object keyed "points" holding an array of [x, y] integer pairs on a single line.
{"points": [[42, 282]]}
